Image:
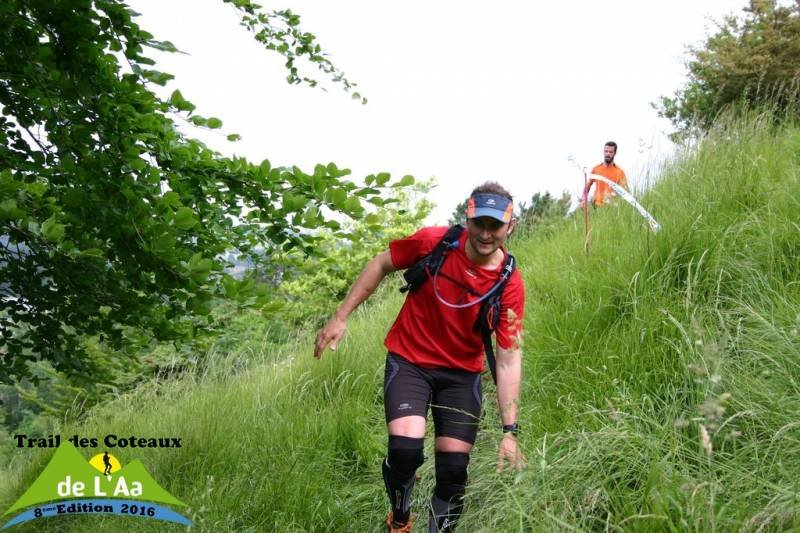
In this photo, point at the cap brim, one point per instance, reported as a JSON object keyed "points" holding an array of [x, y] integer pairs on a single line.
{"points": [[489, 212]]}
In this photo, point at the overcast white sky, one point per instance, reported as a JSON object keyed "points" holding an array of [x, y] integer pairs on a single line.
{"points": [[462, 91]]}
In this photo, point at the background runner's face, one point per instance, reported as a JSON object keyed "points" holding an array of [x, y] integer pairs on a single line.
{"points": [[608, 154], [486, 234]]}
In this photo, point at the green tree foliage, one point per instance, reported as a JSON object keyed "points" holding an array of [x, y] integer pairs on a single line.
{"points": [[459, 214], [543, 207], [752, 59], [324, 282], [112, 221]]}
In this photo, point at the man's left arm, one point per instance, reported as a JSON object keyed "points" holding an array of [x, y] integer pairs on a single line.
{"points": [[509, 376], [623, 180]]}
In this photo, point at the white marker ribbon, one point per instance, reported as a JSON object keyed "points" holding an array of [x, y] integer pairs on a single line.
{"points": [[628, 197]]}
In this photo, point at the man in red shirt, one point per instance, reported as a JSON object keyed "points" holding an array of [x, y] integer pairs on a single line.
{"points": [[608, 169], [436, 355]]}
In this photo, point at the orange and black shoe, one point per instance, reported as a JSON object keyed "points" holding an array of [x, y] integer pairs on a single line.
{"points": [[391, 527]]}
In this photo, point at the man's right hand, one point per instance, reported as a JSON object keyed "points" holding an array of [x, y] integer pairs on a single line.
{"points": [[367, 282], [330, 334]]}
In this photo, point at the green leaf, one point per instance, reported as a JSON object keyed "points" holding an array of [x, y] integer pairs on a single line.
{"points": [[91, 252], [214, 123], [405, 181], [233, 137], [36, 189], [337, 172], [338, 198], [159, 78], [194, 260], [200, 305], [52, 230], [164, 46], [172, 199], [153, 175], [180, 103], [137, 163], [200, 267], [367, 191], [163, 245], [299, 174], [10, 211], [231, 287], [184, 218], [353, 205], [312, 218], [294, 202], [381, 179]]}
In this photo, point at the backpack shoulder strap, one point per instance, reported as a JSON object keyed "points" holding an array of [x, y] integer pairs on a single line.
{"points": [[416, 275], [489, 315], [448, 242]]}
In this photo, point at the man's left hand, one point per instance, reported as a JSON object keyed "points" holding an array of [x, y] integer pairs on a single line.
{"points": [[510, 453]]}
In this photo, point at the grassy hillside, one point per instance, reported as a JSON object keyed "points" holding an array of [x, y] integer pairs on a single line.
{"points": [[660, 389]]}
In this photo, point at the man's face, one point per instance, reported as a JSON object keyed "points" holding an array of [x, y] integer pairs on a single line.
{"points": [[608, 154], [487, 234]]}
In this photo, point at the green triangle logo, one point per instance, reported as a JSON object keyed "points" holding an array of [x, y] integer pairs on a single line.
{"points": [[69, 475]]}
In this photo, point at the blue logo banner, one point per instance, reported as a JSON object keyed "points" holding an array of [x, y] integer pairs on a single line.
{"points": [[119, 507]]}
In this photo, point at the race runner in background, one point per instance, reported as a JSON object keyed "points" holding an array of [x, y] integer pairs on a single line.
{"points": [[608, 169], [458, 279]]}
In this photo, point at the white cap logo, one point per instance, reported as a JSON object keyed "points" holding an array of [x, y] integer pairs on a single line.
{"points": [[490, 201]]}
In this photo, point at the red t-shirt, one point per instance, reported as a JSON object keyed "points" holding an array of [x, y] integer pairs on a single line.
{"points": [[430, 334]]}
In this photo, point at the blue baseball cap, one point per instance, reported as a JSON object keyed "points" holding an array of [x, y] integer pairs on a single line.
{"points": [[490, 205]]}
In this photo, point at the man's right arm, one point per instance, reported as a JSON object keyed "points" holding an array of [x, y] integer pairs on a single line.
{"points": [[365, 285]]}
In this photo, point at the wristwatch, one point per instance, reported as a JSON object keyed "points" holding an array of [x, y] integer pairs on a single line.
{"points": [[511, 428]]}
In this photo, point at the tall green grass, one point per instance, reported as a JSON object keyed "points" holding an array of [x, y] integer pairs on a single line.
{"points": [[660, 381]]}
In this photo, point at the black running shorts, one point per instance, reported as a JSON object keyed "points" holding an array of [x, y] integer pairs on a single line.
{"points": [[454, 396]]}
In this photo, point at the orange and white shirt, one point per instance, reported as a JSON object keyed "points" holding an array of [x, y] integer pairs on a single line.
{"points": [[604, 190]]}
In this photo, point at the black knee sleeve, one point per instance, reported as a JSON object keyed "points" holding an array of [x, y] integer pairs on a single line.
{"points": [[451, 474], [404, 457], [447, 502]]}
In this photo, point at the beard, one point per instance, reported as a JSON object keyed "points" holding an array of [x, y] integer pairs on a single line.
{"points": [[483, 249]]}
